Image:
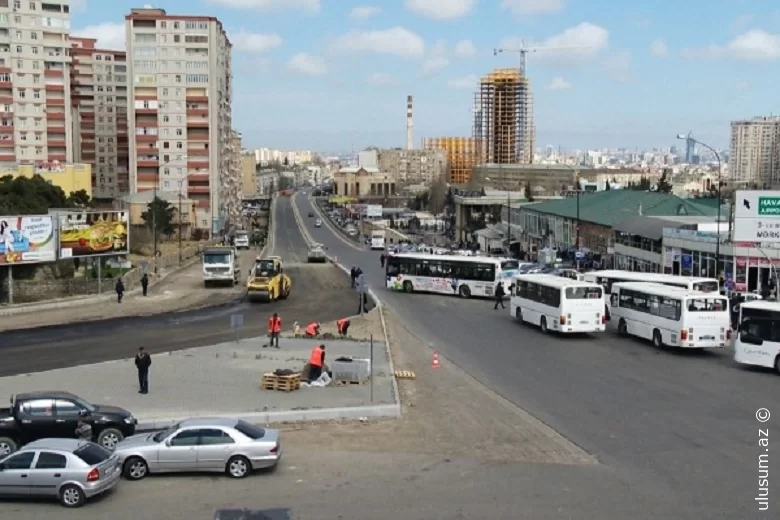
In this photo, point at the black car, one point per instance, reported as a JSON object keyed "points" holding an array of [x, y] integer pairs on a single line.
{"points": [[46, 414], [311, 214]]}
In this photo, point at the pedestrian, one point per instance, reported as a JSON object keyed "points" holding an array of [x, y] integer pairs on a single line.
{"points": [[316, 362], [499, 294], [312, 330], [120, 290], [145, 284], [342, 326], [142, 362], [83, 428], [274, 329], [353, 276], [382, 260]]}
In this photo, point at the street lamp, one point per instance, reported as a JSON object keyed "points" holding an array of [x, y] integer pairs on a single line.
{"points": [[720, 200], [154, 209]]}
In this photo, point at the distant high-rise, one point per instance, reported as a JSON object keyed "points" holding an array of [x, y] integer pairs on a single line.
{"points": [[503, 118], [409, 124], [754, 156], [690, 148]]}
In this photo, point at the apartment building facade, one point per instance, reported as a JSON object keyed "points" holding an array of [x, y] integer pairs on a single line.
{"points": [[35, 118], [98, 79], [413, 166], [179, 72], [754, 157], [462, 154]]}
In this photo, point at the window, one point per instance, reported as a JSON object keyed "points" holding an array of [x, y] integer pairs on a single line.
{"points": [[250, 430], [39, 408], [19, 461], [186, 438], [47, 460], [92, 454], [66, 408], [707, 304], [583, 293], [212, 437]]}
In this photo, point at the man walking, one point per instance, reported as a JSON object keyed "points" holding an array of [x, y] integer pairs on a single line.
{"points": [[142, 363], [353, 276], [145, 284], [499, 295], [274, 329], [120, 290]]}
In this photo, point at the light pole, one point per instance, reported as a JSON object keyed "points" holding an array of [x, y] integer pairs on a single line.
{"points": [[720, 199]]}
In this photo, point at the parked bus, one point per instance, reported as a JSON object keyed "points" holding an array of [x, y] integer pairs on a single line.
{"points": [[465, 276], [559, 304], [673, 316], [758, 340]]}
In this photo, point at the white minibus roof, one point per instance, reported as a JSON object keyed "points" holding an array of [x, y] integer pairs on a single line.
{"points": [[634, 275], [761, 305], [658, 289], [551, 280], [458, 258]]}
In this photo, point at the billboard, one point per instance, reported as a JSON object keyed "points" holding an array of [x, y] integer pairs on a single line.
{"points": [[28, 239], [757, 216], [93, 233], [373, 211]]}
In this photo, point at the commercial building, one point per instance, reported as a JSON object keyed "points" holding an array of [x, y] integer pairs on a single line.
{"points": [[98, 80], [35, 123], [413, 166], [69, 177], [543, 179], [363, 182], [473, 211], [180, 71], [461, 153], [754, 156], [504, 118]]}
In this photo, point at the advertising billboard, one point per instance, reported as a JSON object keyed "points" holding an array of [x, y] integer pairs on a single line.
{"points": [[373, 211], [28, 239], [93, 233]]}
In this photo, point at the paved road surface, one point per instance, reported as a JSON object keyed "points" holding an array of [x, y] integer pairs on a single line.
{"points": [[677, 425], [320, 292]]}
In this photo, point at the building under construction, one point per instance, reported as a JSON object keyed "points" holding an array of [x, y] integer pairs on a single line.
{"points": [[503, 118], [461, 156]]}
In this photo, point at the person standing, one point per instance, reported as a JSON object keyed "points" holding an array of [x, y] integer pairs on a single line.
{"points": [[142, 363], [316, 362], [382, 260], [499, 294], [145, 284], [120, 290], [353, 276], [274, 329]]}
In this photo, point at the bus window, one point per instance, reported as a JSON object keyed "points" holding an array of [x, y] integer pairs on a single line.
{"points": [[582, 293], [706, 304], [710, 286]]}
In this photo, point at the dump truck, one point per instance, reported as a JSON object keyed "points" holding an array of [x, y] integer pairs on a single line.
{"points": [[220, 266], [267, 280]]}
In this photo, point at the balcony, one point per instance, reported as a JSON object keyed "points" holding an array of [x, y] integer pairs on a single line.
{"points": [[55, 102], [6, 99], [6, 129], [146, 110], [198, 190], [197, 123], [148, 163], [198, 177], [55, 116], [6, 84], [7, 143], [200, 136], [52, 73], [198, 164], [146, 138], [5, 70], [7, 157], [202, 112], [202, 203], [197, 152], [151, 178], [56, 157], [197, 99], [55, 143], [55, 87]]}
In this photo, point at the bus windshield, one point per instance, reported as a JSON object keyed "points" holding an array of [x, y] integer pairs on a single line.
{"points": [[583, 293], [761, 324], [706, 304], [216, 258]]}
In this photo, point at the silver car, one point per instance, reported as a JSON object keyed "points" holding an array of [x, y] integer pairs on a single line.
{"points": [[201, 445], [70, 470]]}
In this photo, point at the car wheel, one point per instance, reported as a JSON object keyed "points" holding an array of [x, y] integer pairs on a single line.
{"points": [[109, 438], [464, 291], [135, 468], [7, 446], [408, 287], [72, 496], [238, 467], [543, 324]]}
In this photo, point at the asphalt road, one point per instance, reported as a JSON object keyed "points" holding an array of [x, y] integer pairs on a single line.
{"points": [[320, 292], [679, 428]]}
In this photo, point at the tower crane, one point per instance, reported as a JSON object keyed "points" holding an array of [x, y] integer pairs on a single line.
{"points": [[523, 52]]}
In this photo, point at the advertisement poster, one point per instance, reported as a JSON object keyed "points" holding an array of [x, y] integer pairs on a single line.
{"points": [[27, 240], [93, 233]]}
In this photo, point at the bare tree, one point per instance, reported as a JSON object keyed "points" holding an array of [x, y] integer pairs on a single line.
{"points": [[437, 196]]}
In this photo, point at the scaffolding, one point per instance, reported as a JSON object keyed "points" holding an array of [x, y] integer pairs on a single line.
{"points": [[461, 156], [503, 126]]}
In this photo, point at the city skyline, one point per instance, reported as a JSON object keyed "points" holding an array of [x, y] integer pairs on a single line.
{"points": [[620, 77]]}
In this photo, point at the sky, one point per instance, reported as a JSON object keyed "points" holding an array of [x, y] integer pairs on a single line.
{"points": [[333, 75]]}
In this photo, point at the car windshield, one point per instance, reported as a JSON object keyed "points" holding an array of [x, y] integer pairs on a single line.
{"points": [[84, 404], [161, 436], [216, 258], [92, 454]]}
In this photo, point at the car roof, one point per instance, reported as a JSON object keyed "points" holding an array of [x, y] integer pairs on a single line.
{"points": [[227, 422], [44, 394], [55, 444]]}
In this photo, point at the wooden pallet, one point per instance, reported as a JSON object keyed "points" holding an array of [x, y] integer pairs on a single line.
{"points": [[405, 374], [281, 383]]}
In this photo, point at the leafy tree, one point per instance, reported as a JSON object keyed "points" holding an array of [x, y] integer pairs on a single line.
{"points": [[79, 199], [664, 183], [529, 196], [32, 196], [437, 196], [159, 213], [286, 183]]}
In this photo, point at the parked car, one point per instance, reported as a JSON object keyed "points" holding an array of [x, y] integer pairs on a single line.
{"points": [[217, 445], [40, 415], [69, 470]]}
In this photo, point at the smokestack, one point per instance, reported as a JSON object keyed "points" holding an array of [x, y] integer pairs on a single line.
{"points": [[409, 124]]}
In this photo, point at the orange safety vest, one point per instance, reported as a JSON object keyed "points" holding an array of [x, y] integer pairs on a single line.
{"points": [[274, 325], [311, 329], [340, 324], [315, 359]]}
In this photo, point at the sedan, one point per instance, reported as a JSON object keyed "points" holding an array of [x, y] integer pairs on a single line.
{"points": [[318, 223], [204, 445], [69, 470]]}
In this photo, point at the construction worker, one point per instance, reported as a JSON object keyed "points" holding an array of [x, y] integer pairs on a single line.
{"points": [[274, 329], [312, 330], [316, 362], [342, 326]]}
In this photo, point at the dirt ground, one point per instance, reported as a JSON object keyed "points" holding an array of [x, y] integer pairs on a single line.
{"points": [[445, 412]]}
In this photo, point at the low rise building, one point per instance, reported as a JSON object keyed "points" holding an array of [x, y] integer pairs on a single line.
{"points": [[475, 210], [543, 179], [413, 166], [184, 209], [363, 182], [69, 177]]}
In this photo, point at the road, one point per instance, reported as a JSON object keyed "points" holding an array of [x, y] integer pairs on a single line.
{"points": [[320, 292], [676, 425]]}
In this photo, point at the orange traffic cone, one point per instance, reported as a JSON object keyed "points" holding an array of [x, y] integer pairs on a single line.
{"points": [[435, 363]]}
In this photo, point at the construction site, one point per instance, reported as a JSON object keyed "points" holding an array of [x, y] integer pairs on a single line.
{"points": [[462, 154], [503, 129]]}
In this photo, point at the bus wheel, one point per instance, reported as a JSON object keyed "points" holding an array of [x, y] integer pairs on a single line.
{"points": [[543, 324], [408, 287], [657, 339], [464, 291], [519, 314], [622, 327]]}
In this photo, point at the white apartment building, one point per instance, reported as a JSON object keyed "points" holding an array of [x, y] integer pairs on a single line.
{"points": [[35, 123], [268, 155], [755, 152], [179, 73]]}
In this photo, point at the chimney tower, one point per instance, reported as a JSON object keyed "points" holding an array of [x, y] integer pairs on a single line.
{"points": [[409, 124]]}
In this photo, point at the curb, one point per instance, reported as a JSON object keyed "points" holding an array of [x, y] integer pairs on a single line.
{"points": [[380, 411]]}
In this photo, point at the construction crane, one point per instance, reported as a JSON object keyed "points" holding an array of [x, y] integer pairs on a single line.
{"points": [[523, 51]]}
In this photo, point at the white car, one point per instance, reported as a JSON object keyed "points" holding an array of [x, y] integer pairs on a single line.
{"points": [[318, 223]]}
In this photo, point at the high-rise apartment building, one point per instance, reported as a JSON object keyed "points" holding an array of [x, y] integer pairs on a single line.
{"points": [[504, 118], [98, 81], [461, 152], [35, 123], [179, 73], [754, 157], [413, 166]]}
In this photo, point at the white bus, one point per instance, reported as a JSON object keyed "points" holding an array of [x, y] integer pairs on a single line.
{"points": [[378, 239], [465, 276], [758, 341], [673, 316], [555, 303]]}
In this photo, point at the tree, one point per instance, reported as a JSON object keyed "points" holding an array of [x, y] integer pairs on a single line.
{"points": [[529, 196], [159, 213], [32, 196], [450, 200], [79, 199], [286, 183], [664, 184], [607, 187], [437, 196]]}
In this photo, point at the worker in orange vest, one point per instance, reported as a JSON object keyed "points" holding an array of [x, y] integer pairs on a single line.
{"points": [[316, 362], [312, 330], [274, 329], [342, 326]]}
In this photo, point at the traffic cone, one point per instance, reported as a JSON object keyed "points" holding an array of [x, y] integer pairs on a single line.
{"points": [[435, 363]]}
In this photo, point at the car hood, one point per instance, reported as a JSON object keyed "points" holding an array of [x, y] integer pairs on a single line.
{"points": [[112, 411], [136, 441]]}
